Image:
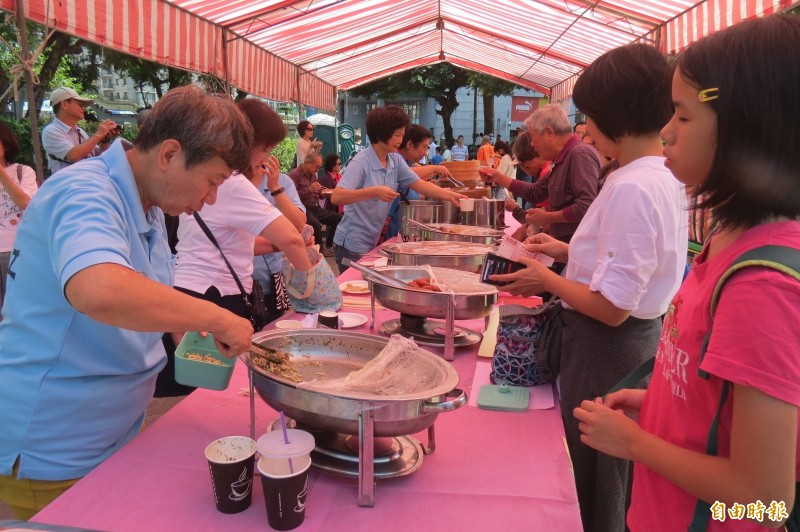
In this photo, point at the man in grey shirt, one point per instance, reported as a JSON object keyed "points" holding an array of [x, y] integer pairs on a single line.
{"points": [[62, 139]]}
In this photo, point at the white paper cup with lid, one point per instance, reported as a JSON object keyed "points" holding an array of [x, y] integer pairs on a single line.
{"points": [[284, 476]]}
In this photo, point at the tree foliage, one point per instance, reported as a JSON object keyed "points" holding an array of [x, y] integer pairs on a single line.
{"points": [[489, 87], [147, 73], [65, 60], [440, 81]]}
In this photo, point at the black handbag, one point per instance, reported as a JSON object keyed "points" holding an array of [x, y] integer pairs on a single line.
{"points": [[254, 301]]}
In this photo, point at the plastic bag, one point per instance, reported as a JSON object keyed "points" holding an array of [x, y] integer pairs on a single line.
{"points": [[313, 291]]}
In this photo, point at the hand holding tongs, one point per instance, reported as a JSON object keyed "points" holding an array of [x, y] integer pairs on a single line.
{"points": [[403, 196]]}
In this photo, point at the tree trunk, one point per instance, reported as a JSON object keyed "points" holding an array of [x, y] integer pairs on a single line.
{"points": [[446, 114], [448, 103], [60, 45], [488, 114], [5, 83], [156, 82]]}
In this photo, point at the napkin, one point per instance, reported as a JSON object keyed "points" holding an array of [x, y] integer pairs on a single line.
{"points": [[372, 261], [489, 341], [361, 303]]}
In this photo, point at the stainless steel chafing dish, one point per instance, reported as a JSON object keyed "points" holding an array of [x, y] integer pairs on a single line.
{"points": [[466, 256]]}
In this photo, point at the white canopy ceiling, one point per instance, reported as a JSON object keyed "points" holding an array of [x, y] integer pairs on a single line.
{"points": [[303, 50]]}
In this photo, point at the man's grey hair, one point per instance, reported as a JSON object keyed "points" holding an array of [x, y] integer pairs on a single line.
{"points": [[552, 116], [311, 157]]}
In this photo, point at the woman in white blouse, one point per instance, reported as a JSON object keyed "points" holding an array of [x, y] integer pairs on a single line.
{"points": [[624, 263]]}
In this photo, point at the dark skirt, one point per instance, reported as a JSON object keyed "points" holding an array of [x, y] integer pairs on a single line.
{"points": [[590, 358]]}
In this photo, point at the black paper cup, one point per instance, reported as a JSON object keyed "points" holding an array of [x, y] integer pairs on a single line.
{"points": [[231, 461], [285, 492], [328, 319]]}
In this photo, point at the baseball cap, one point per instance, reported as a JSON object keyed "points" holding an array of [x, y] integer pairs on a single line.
{"points": [[65, 93]]}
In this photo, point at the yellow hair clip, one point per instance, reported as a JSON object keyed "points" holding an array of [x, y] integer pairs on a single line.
{"points": [[706, 95]]}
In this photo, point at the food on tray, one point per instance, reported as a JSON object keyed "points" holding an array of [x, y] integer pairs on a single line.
{"points": [[355, 288], [208, 359], [469, 230], [424, 283], [435, 247], [276, 362]]}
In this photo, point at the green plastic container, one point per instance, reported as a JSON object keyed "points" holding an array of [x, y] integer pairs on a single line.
{"points": [[198, 373], [502, 397]]}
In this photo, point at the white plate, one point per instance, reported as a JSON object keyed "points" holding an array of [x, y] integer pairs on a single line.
{"points": [[351, 319], [355, 287], [289, 324]]}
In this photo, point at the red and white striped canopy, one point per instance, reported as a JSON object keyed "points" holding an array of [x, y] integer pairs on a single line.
{"points": [[303, 50]]}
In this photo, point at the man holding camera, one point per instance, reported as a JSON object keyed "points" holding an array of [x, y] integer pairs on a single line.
{"points": [[62, 139]]}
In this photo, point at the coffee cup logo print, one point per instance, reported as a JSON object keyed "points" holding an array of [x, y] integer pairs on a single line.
{"points": [[241, 488], [301, 498]]}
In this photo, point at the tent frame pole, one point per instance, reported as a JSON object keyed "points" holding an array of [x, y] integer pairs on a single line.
{"points": [[33, 107]]}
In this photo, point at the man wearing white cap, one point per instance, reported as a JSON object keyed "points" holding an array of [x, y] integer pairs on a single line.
{"points": [[62, 139]]}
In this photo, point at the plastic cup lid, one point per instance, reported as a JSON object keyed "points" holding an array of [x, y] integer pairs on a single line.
{"points": [[272, 444]]}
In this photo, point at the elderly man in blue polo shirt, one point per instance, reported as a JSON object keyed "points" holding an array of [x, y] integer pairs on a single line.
{"points": [[62, 139], [370, 183], [89, 294]]}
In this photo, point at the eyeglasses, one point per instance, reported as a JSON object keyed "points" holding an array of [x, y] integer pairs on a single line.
{"points": [[83, 105], [309, 129]]}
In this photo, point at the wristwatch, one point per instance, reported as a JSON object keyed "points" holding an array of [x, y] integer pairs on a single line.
{"points": [[274, 193]]}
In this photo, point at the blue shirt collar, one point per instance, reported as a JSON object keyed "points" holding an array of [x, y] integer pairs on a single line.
{"points": [[121, 173], [375, 163]]}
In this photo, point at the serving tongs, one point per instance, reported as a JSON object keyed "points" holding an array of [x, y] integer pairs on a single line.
{"points": [[373, 275], [455, 181], [421, 225]]}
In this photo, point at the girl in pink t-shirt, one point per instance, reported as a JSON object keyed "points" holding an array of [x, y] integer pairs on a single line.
{"points": [[734, 137]]}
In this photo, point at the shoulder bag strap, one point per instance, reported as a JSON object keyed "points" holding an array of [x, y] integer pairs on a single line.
{"points": [[19, 173], [213, 240], [782, 258]]}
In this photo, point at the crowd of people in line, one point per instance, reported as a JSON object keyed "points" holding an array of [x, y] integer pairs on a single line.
{"points": [[86, 259]]}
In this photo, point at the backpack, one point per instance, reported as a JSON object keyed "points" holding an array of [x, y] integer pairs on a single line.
{"points": [[782, 258]]}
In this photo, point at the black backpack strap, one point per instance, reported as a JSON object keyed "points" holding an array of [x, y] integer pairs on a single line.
{"points": [[702, 510], [784, 259], [634, 377]]}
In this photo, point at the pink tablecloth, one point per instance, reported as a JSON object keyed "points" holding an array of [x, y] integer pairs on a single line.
{"points": [[491, 470]]}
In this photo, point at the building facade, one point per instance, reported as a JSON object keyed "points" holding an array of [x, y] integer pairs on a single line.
{"points": [[509, 112]]}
